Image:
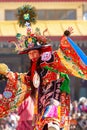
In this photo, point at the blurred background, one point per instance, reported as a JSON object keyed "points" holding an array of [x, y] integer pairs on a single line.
{"points": [[56, 16]]}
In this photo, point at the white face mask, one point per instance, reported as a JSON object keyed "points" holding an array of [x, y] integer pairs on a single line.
{"points": [[46, 56]]}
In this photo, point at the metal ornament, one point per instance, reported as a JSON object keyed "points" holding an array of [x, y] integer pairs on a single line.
{"points": [[36, 80]]}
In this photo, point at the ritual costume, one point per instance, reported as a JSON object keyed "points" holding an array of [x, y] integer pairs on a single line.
{"points": [[46, 80]]}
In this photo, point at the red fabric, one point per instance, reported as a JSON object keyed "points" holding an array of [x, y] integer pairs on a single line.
{"points": [[33, 68], [25, 125], [26, 112], [46, 48]]}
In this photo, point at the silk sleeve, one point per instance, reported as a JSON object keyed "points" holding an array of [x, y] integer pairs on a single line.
{"points": [[70, 59], [15, 92]]}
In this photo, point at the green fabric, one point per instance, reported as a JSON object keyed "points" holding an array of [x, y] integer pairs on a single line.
{"points": [[51, 69], [65, 86]]}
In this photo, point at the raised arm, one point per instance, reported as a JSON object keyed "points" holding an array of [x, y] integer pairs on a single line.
{"points": [[16, 91], [71, 59]]}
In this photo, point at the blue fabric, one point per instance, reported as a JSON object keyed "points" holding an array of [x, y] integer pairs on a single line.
{"points": [[80, 53]]}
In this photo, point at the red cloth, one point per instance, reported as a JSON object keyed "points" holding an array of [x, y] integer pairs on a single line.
{"points": [[25, 125], [26, 112], [33, 68]]}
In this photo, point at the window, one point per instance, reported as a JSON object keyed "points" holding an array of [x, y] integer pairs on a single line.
{"points": [[46, 14], [85, 16], [10, 15], [57, 14]]}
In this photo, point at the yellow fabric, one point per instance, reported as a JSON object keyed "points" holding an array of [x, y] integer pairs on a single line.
{"points": [[70, 67]]}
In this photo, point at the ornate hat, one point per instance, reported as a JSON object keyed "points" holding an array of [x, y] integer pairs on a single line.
{"points": [[27, 16], [30, 42]]}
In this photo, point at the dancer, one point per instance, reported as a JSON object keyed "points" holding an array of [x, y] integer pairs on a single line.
{"points": [[46, 81]]}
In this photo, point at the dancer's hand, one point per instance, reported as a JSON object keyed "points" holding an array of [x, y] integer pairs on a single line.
{"points": [[70, 29]]}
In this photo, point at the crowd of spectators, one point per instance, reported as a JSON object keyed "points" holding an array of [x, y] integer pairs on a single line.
{"points": [[78, 114], [10, 122], [78, 117]]}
